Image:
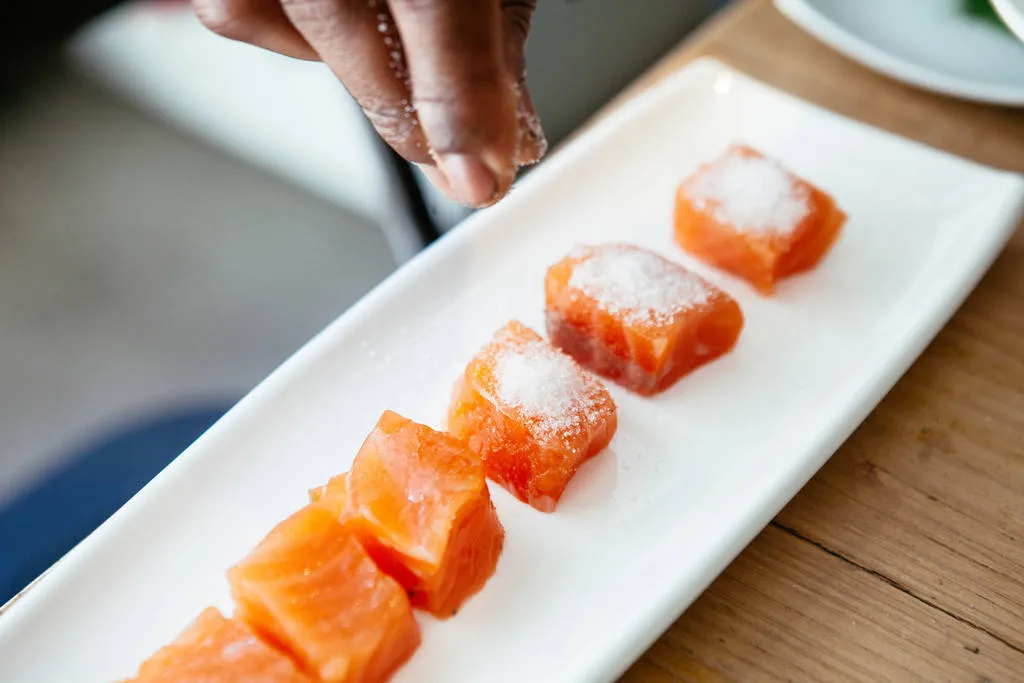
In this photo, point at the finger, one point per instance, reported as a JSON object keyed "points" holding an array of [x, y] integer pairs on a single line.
{"points": [[463, 91], [532, 144], [357, 40], [516, 17], [258, 22]]}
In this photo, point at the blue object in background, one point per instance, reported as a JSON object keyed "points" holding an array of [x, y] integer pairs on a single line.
{"points": [[44, 523]]}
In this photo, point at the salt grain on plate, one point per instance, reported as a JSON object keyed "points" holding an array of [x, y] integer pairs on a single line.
{"points": [[751, 193], [639, 286], [546, 387]]}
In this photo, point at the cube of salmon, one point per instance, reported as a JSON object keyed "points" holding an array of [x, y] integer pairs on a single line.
{"points": [[214, 649], [418, 501], [333, 495], [531, 413], [635, 317], [748, 215], [312, 589]]}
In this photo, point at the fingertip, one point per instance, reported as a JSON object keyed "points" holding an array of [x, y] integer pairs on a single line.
{"points": [[532, 144], [505, 168], [471, 179], [460, 86], [438, 180]]}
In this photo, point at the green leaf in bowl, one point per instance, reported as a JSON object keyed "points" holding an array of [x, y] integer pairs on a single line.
{"points": [[984, 11]]}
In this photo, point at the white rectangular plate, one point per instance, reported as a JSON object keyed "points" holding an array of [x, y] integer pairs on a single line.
{"points": [[691, 476]]}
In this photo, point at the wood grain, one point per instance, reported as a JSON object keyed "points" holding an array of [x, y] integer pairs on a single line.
{"points": [[903, 559], [783, 613]]}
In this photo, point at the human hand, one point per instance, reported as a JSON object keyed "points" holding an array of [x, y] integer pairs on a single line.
{"points": [[442, 81]]}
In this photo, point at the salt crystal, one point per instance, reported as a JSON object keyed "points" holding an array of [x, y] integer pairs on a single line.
{"points": [[552, 394], [639, 286], [751, 193]]}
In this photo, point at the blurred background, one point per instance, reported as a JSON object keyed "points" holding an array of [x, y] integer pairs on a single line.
{"points": [[179, 213]]}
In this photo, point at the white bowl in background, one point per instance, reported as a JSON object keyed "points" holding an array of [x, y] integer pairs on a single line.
{"points": [[930, 44]]}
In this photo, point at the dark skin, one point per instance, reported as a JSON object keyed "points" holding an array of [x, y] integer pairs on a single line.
{"points": [[442, 81]]}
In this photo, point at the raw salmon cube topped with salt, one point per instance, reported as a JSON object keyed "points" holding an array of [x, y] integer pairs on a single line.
{"points": [[636, 317], [419, 502], [749, 215], [214, 649], [310, 588], [531, 413]]}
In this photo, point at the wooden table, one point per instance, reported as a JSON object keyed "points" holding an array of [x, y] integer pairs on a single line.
{"points": [[903, 559]]}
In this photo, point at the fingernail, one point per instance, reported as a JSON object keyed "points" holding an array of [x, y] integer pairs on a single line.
{"points": [[473, 182], [438, 180]]}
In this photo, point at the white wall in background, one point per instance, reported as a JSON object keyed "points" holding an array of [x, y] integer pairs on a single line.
{"points": [[284, 114], [142, 272]]}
